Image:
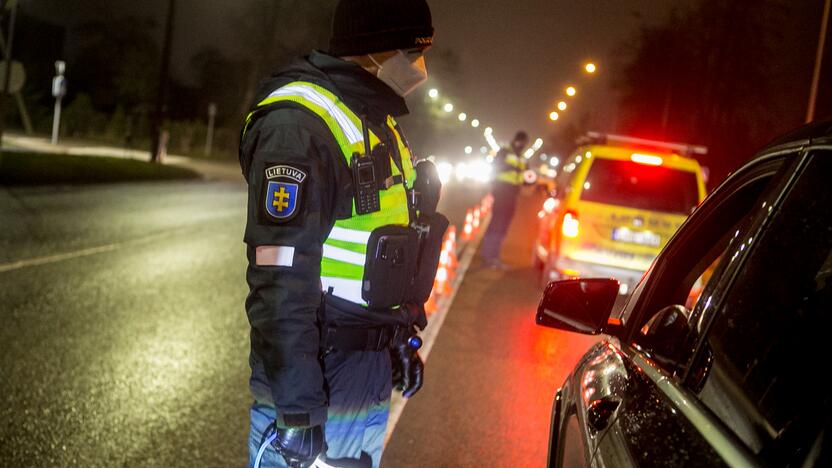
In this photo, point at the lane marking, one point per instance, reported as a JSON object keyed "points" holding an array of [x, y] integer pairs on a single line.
{"points": [[431, 332], [37, 261]]}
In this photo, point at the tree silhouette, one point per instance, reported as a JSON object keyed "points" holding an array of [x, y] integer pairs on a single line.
{"points": [[706, 76]]}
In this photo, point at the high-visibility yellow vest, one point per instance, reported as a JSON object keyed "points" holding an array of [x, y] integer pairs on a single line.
{"points": [[514, 173], [345, 250]]}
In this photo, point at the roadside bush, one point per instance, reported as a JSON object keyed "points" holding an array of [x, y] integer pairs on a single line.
{"points": [[81, 120]]}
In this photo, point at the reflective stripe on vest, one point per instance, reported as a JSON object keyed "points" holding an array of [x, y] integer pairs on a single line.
{"points": [[345, 250], [514, 174]]}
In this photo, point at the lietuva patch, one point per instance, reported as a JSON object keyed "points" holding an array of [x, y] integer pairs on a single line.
{"points": [[284, 191]]}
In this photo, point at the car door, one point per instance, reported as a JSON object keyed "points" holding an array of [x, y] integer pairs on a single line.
{"points": [[653, 423], [760, 368]]}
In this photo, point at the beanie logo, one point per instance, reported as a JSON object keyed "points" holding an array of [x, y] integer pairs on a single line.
{"points": [[424, 41]]}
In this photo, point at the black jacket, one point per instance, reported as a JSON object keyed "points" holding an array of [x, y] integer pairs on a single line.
{"points": [[284, 302]]}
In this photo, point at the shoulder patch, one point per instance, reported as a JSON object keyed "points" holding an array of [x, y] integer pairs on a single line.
{"points": [[283, 191]]}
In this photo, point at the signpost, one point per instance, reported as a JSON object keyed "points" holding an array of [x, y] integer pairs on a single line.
{"points": [[58, 92], [209, 139]]}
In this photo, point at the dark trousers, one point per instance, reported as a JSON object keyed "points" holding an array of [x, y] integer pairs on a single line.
{"points": [[505, 200], [359, 384]]}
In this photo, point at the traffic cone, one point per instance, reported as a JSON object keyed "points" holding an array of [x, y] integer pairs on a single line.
{"points": [[451, 235], [430, 305], [449, 252], [442, 280], [487, 203], [468, 230], [449, 249]]}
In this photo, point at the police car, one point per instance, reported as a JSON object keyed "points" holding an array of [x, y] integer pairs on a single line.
{"points": [[736, 378], [617, 201]]}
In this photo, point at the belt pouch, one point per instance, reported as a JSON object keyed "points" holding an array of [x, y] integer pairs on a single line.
{"points": [[392, 253]]}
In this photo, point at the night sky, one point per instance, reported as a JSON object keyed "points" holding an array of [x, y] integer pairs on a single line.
{"points": [[517, 56]]}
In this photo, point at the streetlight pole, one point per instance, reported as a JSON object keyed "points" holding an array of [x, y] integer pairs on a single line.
{"points": [[813, 94], [157, 141], [12, 6]]}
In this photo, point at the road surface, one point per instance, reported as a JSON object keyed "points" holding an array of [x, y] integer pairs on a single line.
{"points": [[492, 373], [125, 340]]}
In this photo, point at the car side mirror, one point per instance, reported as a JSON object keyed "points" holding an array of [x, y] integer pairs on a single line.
{"points": [[667, 337], [580, 305]]}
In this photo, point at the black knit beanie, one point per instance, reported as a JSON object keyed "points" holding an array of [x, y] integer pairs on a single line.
{"points": [[368, 26]]}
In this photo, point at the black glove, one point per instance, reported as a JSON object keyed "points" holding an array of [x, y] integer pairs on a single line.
{"points": [[299, 446], [407, 367]]}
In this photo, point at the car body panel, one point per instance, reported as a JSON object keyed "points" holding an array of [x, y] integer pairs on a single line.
{"points": [[659, 420]]}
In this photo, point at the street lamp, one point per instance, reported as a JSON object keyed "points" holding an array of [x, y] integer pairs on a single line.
{"points": [[469, 150], [475, 123], [571, 91], [554, 116], [813, 90], [449, 107], [562, 105], [463, 117], [488, 131], [590, 68], [433, 93]]}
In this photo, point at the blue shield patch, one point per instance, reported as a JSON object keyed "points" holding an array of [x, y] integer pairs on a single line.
{"points": [[282, 200]]}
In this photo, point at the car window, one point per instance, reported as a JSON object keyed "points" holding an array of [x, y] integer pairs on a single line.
{"points": [[768, 340], [702, 281], [694, 258], [641, 186], [658, 322]]}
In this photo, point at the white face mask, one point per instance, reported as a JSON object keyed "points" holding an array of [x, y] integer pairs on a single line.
{"points": [[401, 74]]}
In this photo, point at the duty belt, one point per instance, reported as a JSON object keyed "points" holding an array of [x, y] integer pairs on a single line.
{"points": [[362, 339]]}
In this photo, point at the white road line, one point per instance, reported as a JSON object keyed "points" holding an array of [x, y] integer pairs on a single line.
{"points": [[19, 264], [397, 402]]}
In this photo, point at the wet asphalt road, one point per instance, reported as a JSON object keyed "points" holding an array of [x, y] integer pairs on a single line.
{"points": [[134, 355], [492, 374], [124, 338]]}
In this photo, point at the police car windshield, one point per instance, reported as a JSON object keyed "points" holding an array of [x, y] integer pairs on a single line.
{"points": [[654, 188]]}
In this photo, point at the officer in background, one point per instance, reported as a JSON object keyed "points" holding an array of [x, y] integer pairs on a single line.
{"points": [[509, 166], [341, 240]]}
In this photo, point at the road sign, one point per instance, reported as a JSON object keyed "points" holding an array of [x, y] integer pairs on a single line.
{"points": [[58, 86], [58, 91], [18, 77]]}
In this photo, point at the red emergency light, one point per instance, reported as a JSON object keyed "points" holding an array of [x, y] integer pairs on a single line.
{"points": [[647, 159]]}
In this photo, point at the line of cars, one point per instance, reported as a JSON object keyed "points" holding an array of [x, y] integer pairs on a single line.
{"points": [[718, 357]]}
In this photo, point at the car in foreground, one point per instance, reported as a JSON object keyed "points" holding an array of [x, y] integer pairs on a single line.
{"points": [[736, 376], [617, 201]]}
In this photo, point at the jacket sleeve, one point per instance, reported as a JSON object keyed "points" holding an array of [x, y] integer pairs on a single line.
{"points": [[288, 221]]}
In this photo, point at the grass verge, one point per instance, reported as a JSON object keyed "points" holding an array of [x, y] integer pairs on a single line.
{"points": [[40, 169]]}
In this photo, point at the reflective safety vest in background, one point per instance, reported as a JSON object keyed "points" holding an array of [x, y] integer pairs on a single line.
{"points": [[512, 170], [345, 250]]}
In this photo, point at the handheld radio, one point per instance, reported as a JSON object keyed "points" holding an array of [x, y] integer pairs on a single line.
{"points": [[365, 183], [364, 177]]}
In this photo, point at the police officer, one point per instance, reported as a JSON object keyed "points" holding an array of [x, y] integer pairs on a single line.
{"points": [[337, 211], [509, 165]]}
